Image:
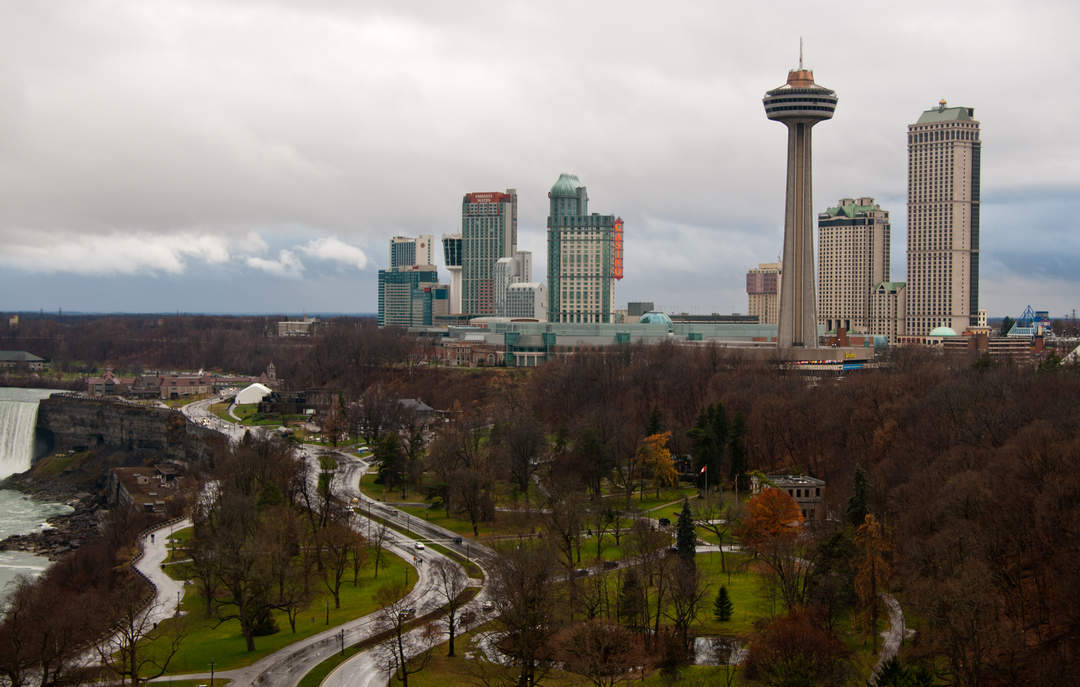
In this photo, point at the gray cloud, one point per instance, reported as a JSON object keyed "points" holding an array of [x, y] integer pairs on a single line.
{"points": [[300, 123]]}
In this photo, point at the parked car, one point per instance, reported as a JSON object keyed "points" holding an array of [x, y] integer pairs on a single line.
{"points": [[581, 572], [665, 522], [611, 565]]}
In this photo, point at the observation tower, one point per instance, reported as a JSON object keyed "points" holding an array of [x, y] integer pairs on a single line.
{"points": [[799, 105]]}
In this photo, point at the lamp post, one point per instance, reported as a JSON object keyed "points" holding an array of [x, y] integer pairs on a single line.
{"points": [[211, 672], [177, 602], [343, 641]]}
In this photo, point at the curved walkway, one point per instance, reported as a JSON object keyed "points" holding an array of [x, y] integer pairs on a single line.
{"points": [[167, 591], [894, 636]]}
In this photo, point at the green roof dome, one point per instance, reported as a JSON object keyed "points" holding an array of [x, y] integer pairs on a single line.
{"points": [[566, 186], [943, 331], [655, 318]]}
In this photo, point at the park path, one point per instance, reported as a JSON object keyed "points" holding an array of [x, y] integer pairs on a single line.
{"points": [[894, 636], [167, 591]]}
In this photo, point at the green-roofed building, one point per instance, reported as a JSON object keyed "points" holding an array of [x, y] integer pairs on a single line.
{"points": [[944, 154], [584, 256], [888, 307], [853, 257]]}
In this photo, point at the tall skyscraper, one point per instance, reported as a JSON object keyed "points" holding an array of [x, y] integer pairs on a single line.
{"points": [[452, 256], [853, 258], [584, 256], [406, 251], [488, 232], [799, 105], [763, 292], [943, 220]]}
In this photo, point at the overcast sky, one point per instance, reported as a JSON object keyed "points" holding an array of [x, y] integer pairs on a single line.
{"points": [[256, 156]]}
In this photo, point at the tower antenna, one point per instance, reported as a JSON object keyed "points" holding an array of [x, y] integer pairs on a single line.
{"points": [[800, 53]]}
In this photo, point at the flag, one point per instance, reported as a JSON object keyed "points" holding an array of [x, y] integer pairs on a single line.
{"points": [[703, 469]]}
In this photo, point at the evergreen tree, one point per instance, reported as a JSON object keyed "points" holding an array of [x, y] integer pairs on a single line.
{"points": [[391, 459], [631, 605], [685, 536], [722, 607], [656, 422], [737, 447], [709, 437], [857, 508]]}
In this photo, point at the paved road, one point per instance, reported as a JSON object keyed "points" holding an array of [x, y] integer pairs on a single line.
{"points": [[286, 667], [168, 591], [199, 413], [369, 668]]}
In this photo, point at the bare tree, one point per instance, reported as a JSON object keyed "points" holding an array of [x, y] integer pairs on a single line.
{"points": [[394, 615], [687, 591], [338, 543], [522, 590], [450, 582], [378, 542], [605, 653], [137, 648]]}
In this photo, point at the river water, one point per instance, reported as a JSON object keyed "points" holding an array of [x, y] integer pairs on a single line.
{"points": [[20, 514]]}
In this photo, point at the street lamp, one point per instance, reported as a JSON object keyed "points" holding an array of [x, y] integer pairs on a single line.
{"points": [[343, 641], [211, 672]]}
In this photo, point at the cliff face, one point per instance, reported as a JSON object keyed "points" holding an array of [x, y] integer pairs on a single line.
{"points": [[70, 423]]}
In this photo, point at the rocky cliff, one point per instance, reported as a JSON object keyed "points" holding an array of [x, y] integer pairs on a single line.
{"points": [[73, 423]]}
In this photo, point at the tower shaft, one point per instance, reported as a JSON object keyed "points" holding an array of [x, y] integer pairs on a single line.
{"points": [[798, 309]]}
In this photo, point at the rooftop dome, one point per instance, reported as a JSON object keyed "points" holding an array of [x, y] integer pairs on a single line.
{"points": [[566, 186], [655, 318], [943, 331]]}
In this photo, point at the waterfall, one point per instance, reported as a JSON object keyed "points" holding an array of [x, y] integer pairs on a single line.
{"points": [[18, 418]]}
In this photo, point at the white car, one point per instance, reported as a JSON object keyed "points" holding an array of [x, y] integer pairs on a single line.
{"points": [[419, 546]]}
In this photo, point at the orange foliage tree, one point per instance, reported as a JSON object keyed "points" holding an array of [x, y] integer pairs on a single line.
{"points": [[773, 532], [654, 457], [872, 570], [770, 515]]}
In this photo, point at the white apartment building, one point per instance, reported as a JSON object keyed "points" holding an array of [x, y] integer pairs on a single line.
{"points": [[526, 300]]}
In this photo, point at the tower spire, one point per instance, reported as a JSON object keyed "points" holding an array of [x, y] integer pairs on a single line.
{"points": [[800, 53]]}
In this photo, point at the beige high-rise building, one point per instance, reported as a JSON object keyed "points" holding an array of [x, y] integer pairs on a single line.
{"points": [[943, 220], [853, 258], [763, 292], [888, 304]]}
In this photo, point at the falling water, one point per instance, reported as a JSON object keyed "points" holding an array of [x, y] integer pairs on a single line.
{"points": [[21, 514], [18, 416]]}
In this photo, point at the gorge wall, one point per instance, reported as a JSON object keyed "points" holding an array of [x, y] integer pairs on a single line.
{"points": [[76, 423]]}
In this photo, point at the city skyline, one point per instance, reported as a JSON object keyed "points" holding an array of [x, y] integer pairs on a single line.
{"points": [[178, 154]]}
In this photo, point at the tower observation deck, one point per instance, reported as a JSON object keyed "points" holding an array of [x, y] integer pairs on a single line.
{"points": [[799, 104]]}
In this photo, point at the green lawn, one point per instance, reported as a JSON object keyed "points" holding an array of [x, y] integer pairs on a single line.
{"points": [[206, 640], [181, 537], [749, 592], [222, 410]]}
